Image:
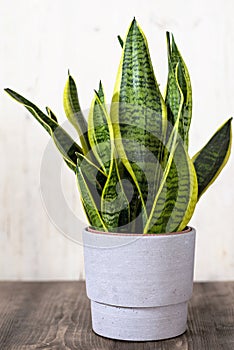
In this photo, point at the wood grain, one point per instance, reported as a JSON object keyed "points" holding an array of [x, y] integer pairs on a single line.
{"points": [[56, 315]]}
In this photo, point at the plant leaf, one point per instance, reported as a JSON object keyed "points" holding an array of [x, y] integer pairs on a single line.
{"points": [[101, 137], [65, 144], [172, 94], [211, 159], [101, 95], [176, 198], [120, 41], [186, 198], [114, 203], [94, 174], [88, 201], [99, 126], [95, 181], [74, 113], [138, 115], [51, 114]]}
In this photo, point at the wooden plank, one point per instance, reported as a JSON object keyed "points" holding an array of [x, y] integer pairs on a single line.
{"points": [[56, 315]]}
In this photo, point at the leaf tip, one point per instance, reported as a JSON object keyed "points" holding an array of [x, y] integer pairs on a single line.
{"points": [[10, 92], [96, 93], [173, 43], [229, 123], [120, 40], [134, 22]]}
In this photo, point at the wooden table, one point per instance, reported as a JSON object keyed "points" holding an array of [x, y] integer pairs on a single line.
{"points": [[56, 315]]}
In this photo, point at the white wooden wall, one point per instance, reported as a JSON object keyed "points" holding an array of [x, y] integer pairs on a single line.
{"points": [[39, 41]]}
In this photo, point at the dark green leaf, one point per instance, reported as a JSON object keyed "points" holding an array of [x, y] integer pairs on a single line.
{"points": [[66, 145], [211, 159], [120, 41], [51, 114]]}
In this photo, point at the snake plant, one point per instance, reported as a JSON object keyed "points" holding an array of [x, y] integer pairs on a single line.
{"points": [[132, 165]]}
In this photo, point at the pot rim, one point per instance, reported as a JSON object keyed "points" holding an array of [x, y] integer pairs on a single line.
{"points": [[186, 230]]}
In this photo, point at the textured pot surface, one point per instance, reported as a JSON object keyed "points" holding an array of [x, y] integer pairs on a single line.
{"points": [[139, 285]]}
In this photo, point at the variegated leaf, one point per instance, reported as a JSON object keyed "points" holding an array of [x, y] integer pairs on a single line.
{"points": [[138, 115], [99, 132], [127, 216], [51, 114], [114, 203], [176, 197], [176, 62], [88, 200], [74, 113], [211, 159], [66, 145], [101, 95], [94, 174]]}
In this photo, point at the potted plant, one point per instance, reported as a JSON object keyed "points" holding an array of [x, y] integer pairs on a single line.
{"points": [[139, 189]]}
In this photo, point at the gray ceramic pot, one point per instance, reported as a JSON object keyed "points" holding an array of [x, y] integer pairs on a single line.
{"points": [[139, 285]]}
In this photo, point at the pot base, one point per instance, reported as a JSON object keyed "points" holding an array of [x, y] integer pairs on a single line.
{"points": [[139, 324]]}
